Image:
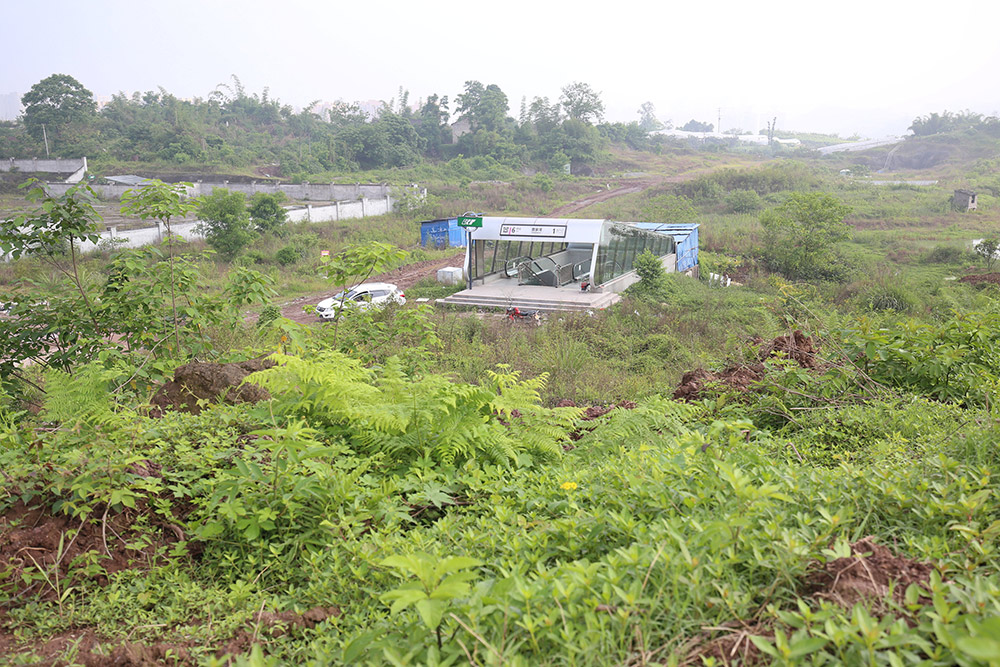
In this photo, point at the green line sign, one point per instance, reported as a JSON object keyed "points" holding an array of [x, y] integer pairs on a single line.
{"points": [[470, 221]]}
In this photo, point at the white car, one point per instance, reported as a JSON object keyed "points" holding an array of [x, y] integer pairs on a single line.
{"points": [[362, 297]]}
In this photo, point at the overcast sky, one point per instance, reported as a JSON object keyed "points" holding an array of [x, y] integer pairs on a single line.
{"points": [[851, 66]]}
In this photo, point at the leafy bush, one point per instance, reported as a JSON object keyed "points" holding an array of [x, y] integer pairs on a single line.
{"points": [[267, 214], [652, 276], [743, 201], [957, 360], [894, 298], [268, 314], [287, 255], [400, 418]]}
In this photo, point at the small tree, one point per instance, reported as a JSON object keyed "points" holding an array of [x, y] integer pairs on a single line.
{"points": [[66, 325], [988, 249], [267, 213], [581, 102], [800, 233], [355, 264], [652, 275], [225, 221], [162, 202]]}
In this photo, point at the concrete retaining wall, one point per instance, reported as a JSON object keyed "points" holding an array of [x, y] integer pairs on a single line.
{"points": [[75, 168], [44, 166]]}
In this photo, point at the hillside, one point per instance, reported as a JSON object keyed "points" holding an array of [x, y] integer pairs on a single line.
{"points": [[796, 469]]}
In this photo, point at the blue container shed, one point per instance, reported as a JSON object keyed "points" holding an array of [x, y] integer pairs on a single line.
{"points": [[685, 236], [444, 233]]}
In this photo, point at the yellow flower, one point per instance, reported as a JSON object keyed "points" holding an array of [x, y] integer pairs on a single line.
{"points": [[568, 486]]}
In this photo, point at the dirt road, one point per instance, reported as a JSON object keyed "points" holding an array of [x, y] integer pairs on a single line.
{"points": [[597, 198]]}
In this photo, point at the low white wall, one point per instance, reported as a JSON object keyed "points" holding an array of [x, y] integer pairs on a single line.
{"points": [[363, 208]]}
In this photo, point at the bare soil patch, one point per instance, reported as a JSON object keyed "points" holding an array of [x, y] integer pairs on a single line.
{"points": [[93, 650], [867, 575], [871, 575], [38, 546]]}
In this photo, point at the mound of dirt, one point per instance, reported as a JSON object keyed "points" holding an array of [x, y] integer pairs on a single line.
{"points": [[796, 346], [740, 378], [981, 279], [867, 576], [203, 381], [35, 543]]}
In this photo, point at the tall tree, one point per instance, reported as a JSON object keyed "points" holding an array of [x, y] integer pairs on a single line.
{"points": [[582, 102], [485, 107], [54, 103], [647, 118]]}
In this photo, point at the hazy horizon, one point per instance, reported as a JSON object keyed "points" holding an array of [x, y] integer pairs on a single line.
{"points": [[863, 69]]}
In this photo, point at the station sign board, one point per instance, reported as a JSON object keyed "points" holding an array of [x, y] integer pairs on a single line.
{"points": [[470, 221], [540, 231]]}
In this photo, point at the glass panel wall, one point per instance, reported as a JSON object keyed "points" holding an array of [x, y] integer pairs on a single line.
{"points": [[504, 257], [621, 244]]}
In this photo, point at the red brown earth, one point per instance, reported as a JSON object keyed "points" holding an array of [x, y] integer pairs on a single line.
{"points": [[39, 544], [981, 278], [93, 650], [868, 576], [740, 378]]}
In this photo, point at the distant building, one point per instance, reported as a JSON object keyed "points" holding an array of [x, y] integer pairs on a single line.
{"points": [[460, 127], [964, 200]]}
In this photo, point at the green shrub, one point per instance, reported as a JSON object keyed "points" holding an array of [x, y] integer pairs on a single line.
{"points": [[743, 201], [288, 255]]}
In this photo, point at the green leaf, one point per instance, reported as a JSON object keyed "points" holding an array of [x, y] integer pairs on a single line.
{"points": [[454, 564], [764, 646], [806, 646], [980, 648], [402, 598], [357, 646], [431, 612]]}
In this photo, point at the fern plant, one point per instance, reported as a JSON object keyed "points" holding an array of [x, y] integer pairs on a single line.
{"points": [[406, 417]]}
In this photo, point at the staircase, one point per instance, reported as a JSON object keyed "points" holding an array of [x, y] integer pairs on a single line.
{"points": [[531, 297]]}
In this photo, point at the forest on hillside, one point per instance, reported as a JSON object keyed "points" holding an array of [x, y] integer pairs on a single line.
{"points": [[234, 128]]}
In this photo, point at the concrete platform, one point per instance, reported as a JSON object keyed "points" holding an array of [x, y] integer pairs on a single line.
{"points": [[531, 297]]}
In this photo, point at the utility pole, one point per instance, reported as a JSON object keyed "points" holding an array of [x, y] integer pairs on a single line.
{"points": [[719, 119], [46, 137]]}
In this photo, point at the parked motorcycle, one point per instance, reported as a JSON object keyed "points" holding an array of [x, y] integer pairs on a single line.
{"points": [[515, 314]]}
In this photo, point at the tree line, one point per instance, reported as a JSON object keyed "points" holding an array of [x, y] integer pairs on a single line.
{"points": [[234, 128]]}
